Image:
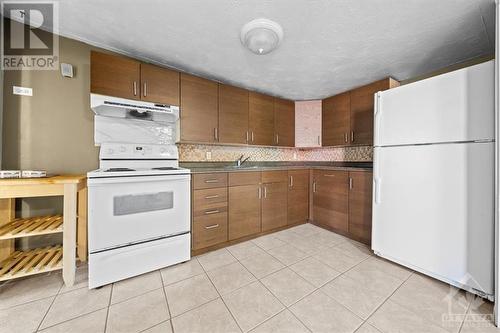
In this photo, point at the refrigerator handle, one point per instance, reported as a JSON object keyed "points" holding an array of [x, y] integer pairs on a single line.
{"points": [[376, 186], [376, 117]]}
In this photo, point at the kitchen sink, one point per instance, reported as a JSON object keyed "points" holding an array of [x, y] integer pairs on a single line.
{"points": [[243, 167]]}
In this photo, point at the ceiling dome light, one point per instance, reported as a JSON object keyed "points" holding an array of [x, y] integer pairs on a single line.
{"points": [[261, 36]]}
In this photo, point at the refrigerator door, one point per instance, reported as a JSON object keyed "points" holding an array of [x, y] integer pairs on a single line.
{"points": [[433, 210], [453, 107]]}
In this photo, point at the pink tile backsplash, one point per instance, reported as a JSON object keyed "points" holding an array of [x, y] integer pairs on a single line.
{"points": [[198, 153]]}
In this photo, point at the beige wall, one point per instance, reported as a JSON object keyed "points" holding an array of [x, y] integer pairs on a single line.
{"points": [[53, 129]]}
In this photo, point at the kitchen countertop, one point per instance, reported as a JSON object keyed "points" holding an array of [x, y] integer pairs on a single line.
{"points": [[210, 167]]}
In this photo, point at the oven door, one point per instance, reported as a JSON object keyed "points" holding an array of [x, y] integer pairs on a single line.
{"points": [[131, 210]]}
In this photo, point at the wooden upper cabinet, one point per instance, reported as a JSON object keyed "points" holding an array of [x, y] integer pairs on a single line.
{"points": [[261, 119], [199, 109], [159, 85], [284, 122], [114, 76], [362, 102], [360, 205], [335, 128], [233, 114]]}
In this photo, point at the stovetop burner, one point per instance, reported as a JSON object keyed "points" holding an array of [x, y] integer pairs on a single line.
{"points": [[118, 169]]}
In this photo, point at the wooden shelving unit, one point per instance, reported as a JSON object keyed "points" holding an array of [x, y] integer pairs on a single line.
{"points": [[33, 226], [36, 261], [72, 224]]}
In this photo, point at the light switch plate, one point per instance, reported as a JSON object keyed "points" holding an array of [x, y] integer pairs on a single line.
{"points": [[208, 155], [22, 91]]}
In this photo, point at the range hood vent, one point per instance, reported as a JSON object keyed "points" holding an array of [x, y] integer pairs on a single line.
{"points": [[116, 107]]}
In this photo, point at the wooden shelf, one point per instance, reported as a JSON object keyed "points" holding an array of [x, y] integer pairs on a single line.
{"points": [[32, 226], [36, 261]]}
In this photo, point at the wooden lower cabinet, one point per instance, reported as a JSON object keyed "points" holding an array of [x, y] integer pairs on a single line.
{"points": [[360, 205], [209, 230], [274, 205], [244, 210], [331, 199], [342, 201], [298, 196]]}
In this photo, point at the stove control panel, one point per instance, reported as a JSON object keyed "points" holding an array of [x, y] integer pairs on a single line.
{"points": [[137, 151]]}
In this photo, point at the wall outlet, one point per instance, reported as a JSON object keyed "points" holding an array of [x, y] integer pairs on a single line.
{"points": [[208, 155], [294, 155], [22, 91]]}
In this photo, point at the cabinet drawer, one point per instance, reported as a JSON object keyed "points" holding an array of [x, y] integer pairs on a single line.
{"points": [[209, 198], [275, 176], [214, 210], [244, 178], [209, 230], [209, 180]]}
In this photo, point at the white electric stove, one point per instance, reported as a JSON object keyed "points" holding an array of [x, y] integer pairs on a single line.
{"points": [[139, 211]]}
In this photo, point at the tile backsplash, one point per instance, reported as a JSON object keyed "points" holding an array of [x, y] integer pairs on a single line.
{"points": [[198, 153]]}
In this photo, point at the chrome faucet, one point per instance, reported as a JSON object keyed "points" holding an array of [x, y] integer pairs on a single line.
{"points": [[240, 161]]}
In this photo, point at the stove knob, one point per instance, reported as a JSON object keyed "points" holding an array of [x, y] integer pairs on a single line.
{"points": [[123, 149], [110, 151], [163, 150]]}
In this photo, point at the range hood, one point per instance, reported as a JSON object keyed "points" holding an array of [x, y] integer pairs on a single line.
{"points": [[126, 108]]}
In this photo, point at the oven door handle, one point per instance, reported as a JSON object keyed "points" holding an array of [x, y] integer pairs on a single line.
{"points": [[136, 179]]}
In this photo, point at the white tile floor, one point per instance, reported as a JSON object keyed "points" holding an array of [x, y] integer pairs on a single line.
{"points": [[303, 279]]}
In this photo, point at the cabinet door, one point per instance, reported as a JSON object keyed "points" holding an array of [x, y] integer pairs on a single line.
{"points": [[199, 115], [298, 196], [308, 123], [244, 211], [331, 199], [233, 114], [335, 120], [284, 122], [360, 205], [114, 76], [274, 205], [261, 119], [159, 85], [362, 101]]}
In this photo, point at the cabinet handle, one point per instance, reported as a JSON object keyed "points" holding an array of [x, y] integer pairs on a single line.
{"points": [[314, 187], [260, 193], [346, 137], [212, 226], [135, 88], [277, 138], [291, 181], [352, 136], [329, 175], [319, 141], [212, 196], [350, 183], [215, 211], [265, 191], [211, 181], [252, 136], [145, 92], [247, 136], [216, 134]]}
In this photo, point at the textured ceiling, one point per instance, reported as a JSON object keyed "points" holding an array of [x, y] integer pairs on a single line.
{"points": [[329, 46]]}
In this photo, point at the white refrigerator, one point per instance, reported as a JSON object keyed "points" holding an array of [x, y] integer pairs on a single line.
{"points": [[433, 193]]}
